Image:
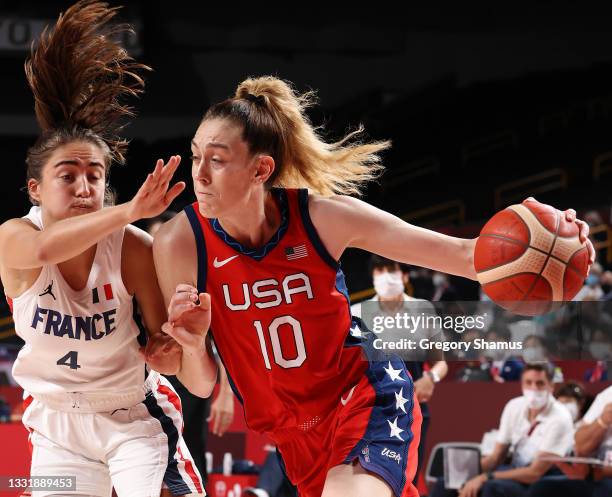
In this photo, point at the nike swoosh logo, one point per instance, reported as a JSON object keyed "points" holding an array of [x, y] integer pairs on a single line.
{"points": [[348, 397], [218, 263]]}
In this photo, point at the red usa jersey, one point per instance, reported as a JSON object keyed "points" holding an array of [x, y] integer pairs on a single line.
{"points": [[280, 317]]}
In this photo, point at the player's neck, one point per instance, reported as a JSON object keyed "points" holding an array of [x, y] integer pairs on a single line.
{"points": [[254, 223]]}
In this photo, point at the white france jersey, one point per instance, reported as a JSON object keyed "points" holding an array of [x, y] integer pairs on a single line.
{"points": [[83, 340]]}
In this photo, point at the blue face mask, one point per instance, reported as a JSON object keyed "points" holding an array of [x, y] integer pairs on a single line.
{"points": [[592, 280]]}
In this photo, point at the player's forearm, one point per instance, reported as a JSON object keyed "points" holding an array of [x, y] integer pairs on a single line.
{"points": [[198, 372], [69, 237]]}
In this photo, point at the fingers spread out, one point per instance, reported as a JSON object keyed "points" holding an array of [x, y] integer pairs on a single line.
{"points": [[174, 192]]}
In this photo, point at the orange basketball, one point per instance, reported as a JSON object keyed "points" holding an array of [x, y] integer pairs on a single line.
{"points": [[528, 257]]}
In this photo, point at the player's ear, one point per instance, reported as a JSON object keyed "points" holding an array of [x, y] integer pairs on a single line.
{"points": [[34, 190], [265, 166]]}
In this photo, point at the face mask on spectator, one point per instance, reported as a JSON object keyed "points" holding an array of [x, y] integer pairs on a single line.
{"points": [[572, 407], [389, 284], [536, 399], [533, 354], [599, 350], [592, 280], [495, 354]]}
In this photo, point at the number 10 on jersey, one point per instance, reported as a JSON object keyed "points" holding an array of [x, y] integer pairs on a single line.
{"points": [[277, 350]]}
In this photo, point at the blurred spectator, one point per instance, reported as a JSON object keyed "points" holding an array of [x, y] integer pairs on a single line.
{"points": [[444, 290], [390, 280], [503, 363], [422, 284], [6, 367], [606, 285], [5, 411], [592, 438], [598, 373], [573, 397], [591, 289], [600, 345], [535, 350], [531, 426]]}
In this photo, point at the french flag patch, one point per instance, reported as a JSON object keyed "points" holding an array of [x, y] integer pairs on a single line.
{"points": [[108, 293], [296, 252]]}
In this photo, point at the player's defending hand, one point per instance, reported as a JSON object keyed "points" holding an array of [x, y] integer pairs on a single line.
{"points": [[188, 318], [162, 354], [155, 194]]}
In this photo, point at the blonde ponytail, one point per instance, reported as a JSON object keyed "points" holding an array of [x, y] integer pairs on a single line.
{"points": [[274, 120]]}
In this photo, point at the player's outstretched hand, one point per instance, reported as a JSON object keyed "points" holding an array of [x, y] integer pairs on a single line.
{"points": [[162, 354], [188, 317], [570, 216], [155, 194]]}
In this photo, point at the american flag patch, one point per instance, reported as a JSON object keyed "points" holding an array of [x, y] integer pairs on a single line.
{"points": [[296, 252]]}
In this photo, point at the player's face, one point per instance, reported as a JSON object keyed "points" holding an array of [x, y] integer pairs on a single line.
{"points": [[72, 181], [222, 168]]}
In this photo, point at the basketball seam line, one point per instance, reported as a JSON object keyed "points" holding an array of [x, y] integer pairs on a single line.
{"points": [[517, 242], [571, 267], [552, 246]]}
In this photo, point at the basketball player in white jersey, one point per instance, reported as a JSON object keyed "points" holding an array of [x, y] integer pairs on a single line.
{"points": [[70, 270]]}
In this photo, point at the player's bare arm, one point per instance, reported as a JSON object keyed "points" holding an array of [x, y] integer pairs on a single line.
{"points": [[174, 253], [22, 246], [162, 353], [344, 221]]}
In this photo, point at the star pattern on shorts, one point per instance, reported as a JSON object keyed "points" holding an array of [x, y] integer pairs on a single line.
{"points": [[400, 400], [395, 430], [394, 374]]}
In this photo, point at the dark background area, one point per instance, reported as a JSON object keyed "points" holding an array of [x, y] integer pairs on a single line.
{"points": [[474, 96]]}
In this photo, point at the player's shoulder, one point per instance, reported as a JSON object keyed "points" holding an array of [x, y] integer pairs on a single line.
{"points": [[175, 237], [330, 203], [136, 237], [17, 223], [174, 231]]}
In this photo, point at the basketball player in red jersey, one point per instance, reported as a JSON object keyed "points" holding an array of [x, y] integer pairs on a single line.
{"points": [[253, 264]]}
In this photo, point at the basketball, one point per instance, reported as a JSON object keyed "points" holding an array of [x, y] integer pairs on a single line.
{"points": [[529, 259]]}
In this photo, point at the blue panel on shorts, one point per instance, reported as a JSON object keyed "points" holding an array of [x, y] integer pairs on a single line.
{"points": [[172, 477], [384, 447]]}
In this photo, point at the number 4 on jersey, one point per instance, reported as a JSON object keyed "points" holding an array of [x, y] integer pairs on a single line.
{"points": [[70, 359]]}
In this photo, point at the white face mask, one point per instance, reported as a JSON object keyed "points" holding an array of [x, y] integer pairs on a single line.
{"points": [[599, 350], [389, 285], [572, 407], [533, 354], [536, 399]]}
